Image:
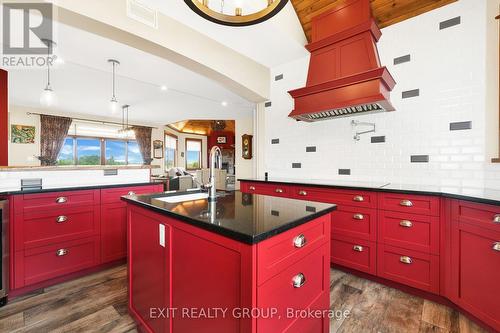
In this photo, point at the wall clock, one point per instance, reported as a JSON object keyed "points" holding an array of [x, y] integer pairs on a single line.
{"points": [[246, 146]]}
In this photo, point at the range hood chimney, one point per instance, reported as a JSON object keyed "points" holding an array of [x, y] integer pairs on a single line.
{"points": [[345, 76]]}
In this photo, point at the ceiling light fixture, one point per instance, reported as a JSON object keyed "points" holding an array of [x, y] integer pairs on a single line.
{"points": [[164, 88], [113, 104], [234, 12], [126, 130], [48, 97], [224, 103]]}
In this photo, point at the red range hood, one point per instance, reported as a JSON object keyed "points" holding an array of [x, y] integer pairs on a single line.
{"points": [[345, 76]]}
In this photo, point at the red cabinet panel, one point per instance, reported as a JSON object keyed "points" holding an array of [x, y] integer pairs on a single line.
{"points": [[58, 200], [355, 222], [476, 271], [415, 269], [409, 231], [408, 203], [341, 197], [312, 277], [43, 263], [113, 232], [281, 251], [354, 253], [481, 215], [113, 195], [48, 226], [277, 190]]}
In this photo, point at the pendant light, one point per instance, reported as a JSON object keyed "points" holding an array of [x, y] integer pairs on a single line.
{"points": [[126, 131], [113, 104], [48, 97]]}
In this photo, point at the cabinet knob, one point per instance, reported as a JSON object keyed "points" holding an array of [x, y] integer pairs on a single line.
{"points": [[496, 246], [131, 193], [61, 219], [406, 260], [358, 216], [61, 252], [279, 190], [303, 193], [61, 200], [252, 188], [299, 241], [406, 224], [496, 219], [358, 248], [358, 198], [406, 203], [298, 280]]}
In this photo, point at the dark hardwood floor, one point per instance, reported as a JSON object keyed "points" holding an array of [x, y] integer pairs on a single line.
{"points": [[98, 303]]}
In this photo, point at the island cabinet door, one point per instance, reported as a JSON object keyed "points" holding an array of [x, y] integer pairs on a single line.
{"points": [[149, 271]]}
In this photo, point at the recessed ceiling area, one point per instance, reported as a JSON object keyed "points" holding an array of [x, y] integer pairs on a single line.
{"points": [[203, 127], [158, 91]]}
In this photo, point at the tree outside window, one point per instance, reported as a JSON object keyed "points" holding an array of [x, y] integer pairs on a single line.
{"points": [[193, 154]]}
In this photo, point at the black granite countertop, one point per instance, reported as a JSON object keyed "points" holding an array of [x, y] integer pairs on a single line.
{"points": [[480, 195], [248, 218], [16, 191]]}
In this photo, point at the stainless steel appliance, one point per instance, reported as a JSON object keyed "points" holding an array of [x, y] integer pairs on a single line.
{"points": [[4, 247]]}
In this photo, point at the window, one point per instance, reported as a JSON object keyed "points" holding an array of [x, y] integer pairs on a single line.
{"points": [[88, 151], [116, 152], [193, 154], [134, 153], [170, 151], [67, 154]]}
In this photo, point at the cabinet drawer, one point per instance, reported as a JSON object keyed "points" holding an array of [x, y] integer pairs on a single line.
{"points": [[277, 253], [409, 231], [35, 202], [113, 195], [486, 216], [415, 269], [46, 227], [56, 260], [340, 197], [407, 203], [312, 273], [355, 222], [277, 190], [354, 253]]}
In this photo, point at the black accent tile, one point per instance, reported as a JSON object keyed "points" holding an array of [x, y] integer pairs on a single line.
{"points": [[419, 158], [275, 213], [345, 172], [410, 93], [378, 139], [311, 149], [402, 59], [268, 104], [462, 125], [278, 77], [311, 209], [275, 141], [296, 165], [450, 23]]}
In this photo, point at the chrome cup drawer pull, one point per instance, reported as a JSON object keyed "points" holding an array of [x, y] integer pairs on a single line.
{"points": [[303, 193], [299, 241], [406, 260], [131, 193], [61, 252], [278, 190], [406, 224], [496, 219], [358, 198], [252, 188], [298, 280], [61, 200], [358, 217], [496, 246], [358, 248], [61, 219], [406, 203]]}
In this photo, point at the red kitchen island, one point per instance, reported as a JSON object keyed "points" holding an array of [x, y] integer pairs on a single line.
{"points": [[245, 263]]}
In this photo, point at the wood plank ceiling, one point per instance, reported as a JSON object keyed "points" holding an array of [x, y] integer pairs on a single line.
{"points": [[202, 127], [386, 12]]}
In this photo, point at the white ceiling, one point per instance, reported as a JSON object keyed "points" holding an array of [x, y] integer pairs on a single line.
{"points": [[276, 41]]}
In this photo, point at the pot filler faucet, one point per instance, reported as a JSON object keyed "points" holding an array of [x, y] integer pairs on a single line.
{"points": [[215, 162]]}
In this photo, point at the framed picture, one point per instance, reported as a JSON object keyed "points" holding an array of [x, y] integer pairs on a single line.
{"points": [[22, 134], [222, 139], [158, 149]]}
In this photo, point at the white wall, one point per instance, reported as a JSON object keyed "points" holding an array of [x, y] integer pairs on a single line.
{"points": [[24, 154], [244, 168], [449, 68]]}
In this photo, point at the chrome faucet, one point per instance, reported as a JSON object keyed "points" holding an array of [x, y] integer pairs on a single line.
{"points": [[215, 159]]}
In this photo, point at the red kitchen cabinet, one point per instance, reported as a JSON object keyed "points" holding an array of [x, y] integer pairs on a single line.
{"points": [[354, 253], [475, 254], [355, 222], [409, 203]]}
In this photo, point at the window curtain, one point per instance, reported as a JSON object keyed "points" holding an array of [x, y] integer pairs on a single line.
{"points": [[143, 137], [53, 132]]}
